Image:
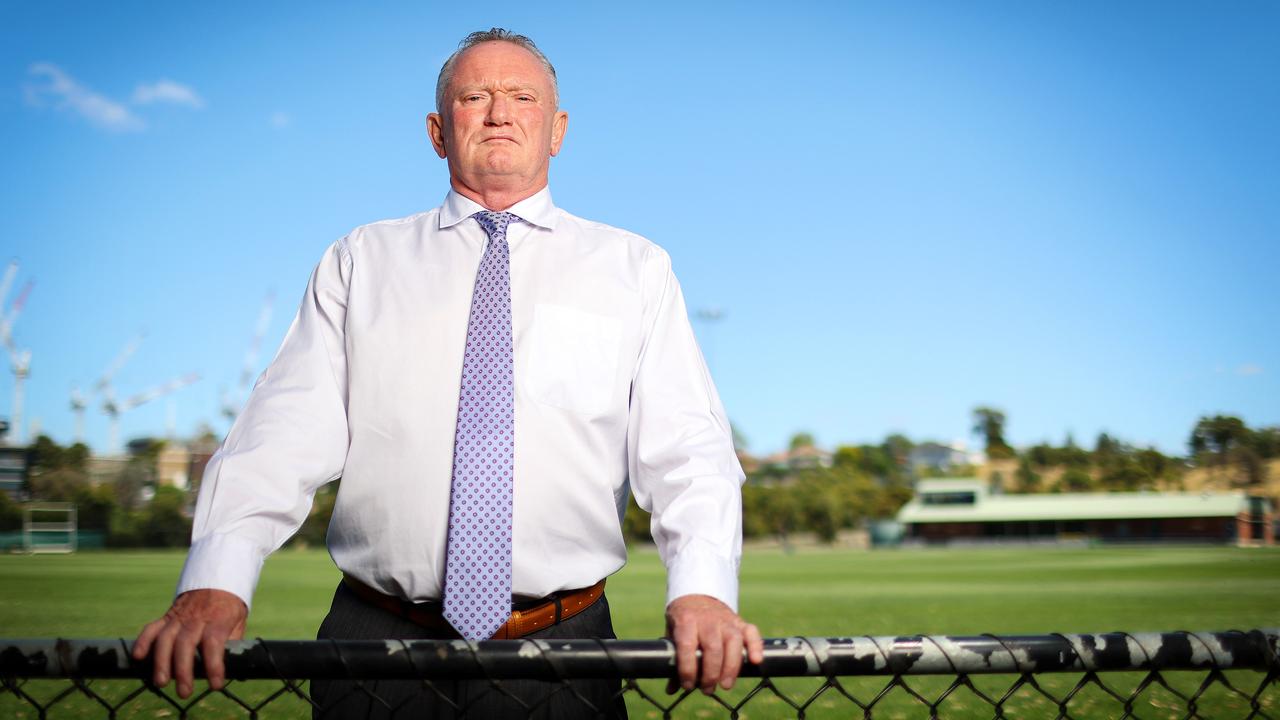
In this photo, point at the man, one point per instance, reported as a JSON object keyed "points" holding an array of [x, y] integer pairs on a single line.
{"points": [[580, 377]]}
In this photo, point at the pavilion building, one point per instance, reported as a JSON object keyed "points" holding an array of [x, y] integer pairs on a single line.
{"points": [[964, 511]]}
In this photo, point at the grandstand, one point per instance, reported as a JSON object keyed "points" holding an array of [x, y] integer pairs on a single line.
{"points": [[965, 511]]}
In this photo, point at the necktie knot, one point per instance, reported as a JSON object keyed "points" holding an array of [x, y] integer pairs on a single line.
{"points": [[495, 223]]}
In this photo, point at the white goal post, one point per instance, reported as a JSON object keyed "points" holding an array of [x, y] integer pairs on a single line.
{"points": [[49, 527]]}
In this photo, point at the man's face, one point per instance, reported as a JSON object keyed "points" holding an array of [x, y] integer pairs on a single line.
{"points": [[498, 126]]}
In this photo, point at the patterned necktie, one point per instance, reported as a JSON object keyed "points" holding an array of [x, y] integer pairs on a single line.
{"points": [[477, 585]]}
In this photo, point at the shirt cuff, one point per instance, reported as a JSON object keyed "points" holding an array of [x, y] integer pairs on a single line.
{"points": [[222, 562], [703, 573]]}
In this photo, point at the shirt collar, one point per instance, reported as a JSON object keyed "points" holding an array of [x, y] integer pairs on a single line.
{"points": [[537, 209]]}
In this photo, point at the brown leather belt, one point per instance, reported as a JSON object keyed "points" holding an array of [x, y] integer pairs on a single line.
{"points": [[553, 611]]}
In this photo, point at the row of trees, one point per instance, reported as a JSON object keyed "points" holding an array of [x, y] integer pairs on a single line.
{"points": [[130, 510], [1219, 442], [861, 482], [819, 503]]}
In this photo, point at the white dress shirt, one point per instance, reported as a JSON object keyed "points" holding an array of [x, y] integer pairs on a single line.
{"points": [[611, 396]]}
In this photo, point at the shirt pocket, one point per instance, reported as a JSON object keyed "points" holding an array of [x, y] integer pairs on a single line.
{"points": [[573, 358]]}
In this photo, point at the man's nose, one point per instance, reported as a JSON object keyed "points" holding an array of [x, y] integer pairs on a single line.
{"points": [[499, 110]]}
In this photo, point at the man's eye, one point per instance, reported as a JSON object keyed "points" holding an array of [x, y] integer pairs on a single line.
{"points": [[525, 98], [473, 98]]}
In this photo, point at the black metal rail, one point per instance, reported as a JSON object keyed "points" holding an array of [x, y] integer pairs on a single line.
{"points": [[784, 657]]}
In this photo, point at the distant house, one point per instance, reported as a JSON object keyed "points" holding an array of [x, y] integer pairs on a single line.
{"points": [[105, 468], [180, 463], [202, 450], [173, 466], [962, 510], [13, 471], [936, 457], [800, 458]]}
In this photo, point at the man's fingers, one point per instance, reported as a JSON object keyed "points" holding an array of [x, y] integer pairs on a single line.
{"points": [[755, 644], [732, 658], [708, 623], [214, 669], [712, 643], [162, 653], [198, 618], [142, 645], [686, 640], [184, 657]]}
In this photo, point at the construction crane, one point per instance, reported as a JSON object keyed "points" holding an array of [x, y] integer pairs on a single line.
{"points": [[20, 363], [19, 360], [10, 272], [11, 317], [78, 404], [103, 386], [104, 383], [231, 404], [114, 409]]}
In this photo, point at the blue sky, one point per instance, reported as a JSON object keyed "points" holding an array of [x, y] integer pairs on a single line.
{"points": [[1070, 211]]}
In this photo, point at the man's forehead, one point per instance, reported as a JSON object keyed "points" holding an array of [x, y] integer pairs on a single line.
{"points": [[498, 57], [506, 81]]}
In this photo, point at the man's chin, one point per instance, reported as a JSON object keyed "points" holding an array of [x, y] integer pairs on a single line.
{"points": [[499, 168], [500, 163]]}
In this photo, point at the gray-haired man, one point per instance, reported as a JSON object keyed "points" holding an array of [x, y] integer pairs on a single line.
{"points": [[463, 502]]}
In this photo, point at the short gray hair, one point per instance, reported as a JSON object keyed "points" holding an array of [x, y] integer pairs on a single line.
{"points": [[490, 35]]}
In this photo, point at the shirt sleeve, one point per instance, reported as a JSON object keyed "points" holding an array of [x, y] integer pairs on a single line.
{"points": [[288, 441], [682, 464]]}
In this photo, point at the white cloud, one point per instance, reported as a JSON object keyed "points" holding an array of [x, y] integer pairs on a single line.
{"points": [[67, 94], [167, 91], [1247, 370], [280, 120]]}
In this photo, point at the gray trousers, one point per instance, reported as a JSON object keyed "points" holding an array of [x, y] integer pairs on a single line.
{"points": [[351, 618]]}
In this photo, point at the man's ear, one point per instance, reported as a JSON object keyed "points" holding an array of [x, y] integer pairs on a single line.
{"points": [[435, 131], [559, 124]]}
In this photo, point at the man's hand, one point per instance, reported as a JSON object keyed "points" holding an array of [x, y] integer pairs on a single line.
{"points": [[701, 621], [204, 618]]}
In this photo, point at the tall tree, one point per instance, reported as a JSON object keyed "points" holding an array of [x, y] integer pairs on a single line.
{"points": [[1107, 449], [989, 423], [44, 455], [1225, 440], [1218, 436], [801, 439], [1265, 442], [898, 446], [54, 472]]}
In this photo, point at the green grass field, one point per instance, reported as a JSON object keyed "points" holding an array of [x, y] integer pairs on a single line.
{"points": [[813, 592]]}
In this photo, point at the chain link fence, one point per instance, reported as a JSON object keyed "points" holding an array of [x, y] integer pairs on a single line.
{"points": [[1234, 674]]}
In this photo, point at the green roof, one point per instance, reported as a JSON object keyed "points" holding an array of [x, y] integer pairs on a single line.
{"points": [[1072, 506]]}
